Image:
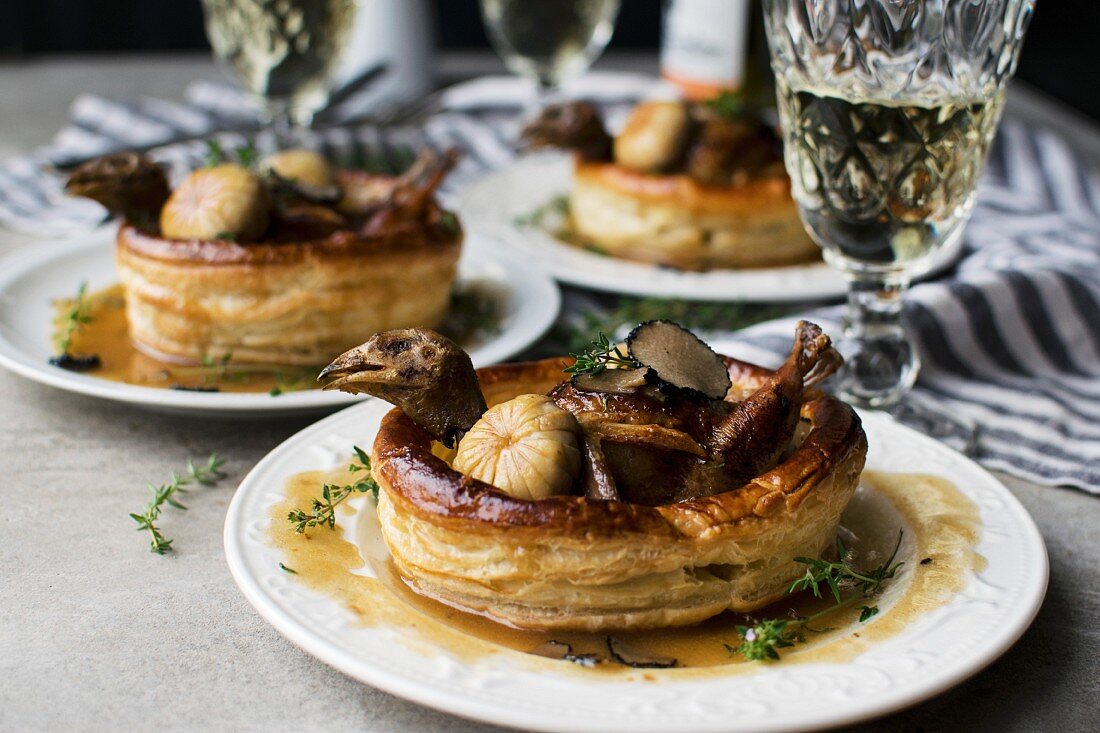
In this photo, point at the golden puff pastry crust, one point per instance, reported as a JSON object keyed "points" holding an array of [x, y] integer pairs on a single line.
{"points": [[674, 220], [571, 563], [279, 303]]}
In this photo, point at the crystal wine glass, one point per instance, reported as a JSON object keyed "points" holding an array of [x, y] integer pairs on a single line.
{"points": [[549, 41], [888, 108], [283, 52]]}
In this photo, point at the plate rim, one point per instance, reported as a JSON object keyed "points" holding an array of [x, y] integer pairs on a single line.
{"points": [[17, 264], [669, 283], [1030, 600]]}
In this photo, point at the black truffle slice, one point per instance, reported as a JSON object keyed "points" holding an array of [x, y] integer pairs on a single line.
{"points": [[560, 650], [623, 654], [679, 360]]}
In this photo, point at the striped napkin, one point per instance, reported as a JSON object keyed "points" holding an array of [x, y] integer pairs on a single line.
{"points": [[1009, 339]]}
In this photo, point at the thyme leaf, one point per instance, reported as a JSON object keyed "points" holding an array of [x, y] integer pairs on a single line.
{"points": [[761, 641], [206, 474], [840, 573], [604, 354], [323, 510], [555, 207], [728, 104], [475, 312], [72, 320]]}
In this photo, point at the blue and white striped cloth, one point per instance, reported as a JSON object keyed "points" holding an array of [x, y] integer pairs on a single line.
{"points": [[1009, 339]]}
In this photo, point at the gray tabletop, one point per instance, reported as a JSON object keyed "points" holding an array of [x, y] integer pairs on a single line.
{"points": [[96, 633]]}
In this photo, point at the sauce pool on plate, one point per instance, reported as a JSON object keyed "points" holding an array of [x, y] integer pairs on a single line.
{"points": [[941, 528]]}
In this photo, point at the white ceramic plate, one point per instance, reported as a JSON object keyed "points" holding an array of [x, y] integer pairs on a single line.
{"points": [[31, 278], [937, 651], [491, 205]]}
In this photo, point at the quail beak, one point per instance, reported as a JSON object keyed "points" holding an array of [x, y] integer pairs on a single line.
{"points": [[354, 372]]}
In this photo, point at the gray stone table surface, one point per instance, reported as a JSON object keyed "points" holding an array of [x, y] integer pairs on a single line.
{"points": [[96, 633]]}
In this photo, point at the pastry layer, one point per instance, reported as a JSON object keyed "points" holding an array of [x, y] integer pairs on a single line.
{"points": [[675, 221], [571, 563], [286, 303]]}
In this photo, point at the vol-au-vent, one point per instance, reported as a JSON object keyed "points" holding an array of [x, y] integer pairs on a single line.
{"points": [[532, 494], [688, 185], [283, 261]]}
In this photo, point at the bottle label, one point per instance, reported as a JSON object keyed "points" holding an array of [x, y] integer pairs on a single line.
{"points": [[704, 45]]}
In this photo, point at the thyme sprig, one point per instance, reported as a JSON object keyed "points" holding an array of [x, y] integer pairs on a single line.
{"points": [[294, 382], [73, 319], [761, 641], [323, 511], [247, 155], [556, 208], [475, 313], [841, 573], [728, 104], [604, 354], [206, 474]]}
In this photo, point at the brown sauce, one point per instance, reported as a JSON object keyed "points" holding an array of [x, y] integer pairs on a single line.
{"points": [[107, 335], [941, 527]]}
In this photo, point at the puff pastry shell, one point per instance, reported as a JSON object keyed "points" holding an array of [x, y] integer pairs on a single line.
{"points": [[566, 562], [285, 303]]}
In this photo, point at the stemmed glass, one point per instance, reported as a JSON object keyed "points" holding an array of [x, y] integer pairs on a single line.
{"points": [[549, 41], [888, 108], [283, 52]]}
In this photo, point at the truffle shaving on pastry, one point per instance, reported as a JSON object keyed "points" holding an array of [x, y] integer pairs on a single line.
{"points": [[683, 505]]}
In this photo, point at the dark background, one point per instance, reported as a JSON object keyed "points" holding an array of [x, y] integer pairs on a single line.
{"points": [[1061, 55]]}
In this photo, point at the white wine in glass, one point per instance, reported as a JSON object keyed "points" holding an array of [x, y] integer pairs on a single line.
{"points": [[888, 108], [282, 51], [549, 41]]}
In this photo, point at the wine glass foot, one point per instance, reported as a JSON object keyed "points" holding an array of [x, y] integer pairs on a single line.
{"points": [[878, 371]]}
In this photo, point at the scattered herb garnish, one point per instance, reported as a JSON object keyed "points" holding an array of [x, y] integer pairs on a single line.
{"points": [[215, 155], [474, 313], [323, 511], [449, 221], [836, 574], [390, 162], [303, 379], [761, 641], [226, 236], [292, 571], [71, 321], [206, 474], [600, 357], [557, 207], [218, 370], [247, 155], [729, 104]]}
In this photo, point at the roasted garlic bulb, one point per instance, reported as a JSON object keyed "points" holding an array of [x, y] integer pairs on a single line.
{"points": [[526, 447], [301, 166], [653, 137], [222, 202]]}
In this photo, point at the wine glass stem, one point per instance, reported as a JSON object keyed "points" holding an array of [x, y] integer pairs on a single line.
{"points": [[880, 362], [547, 93]]}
